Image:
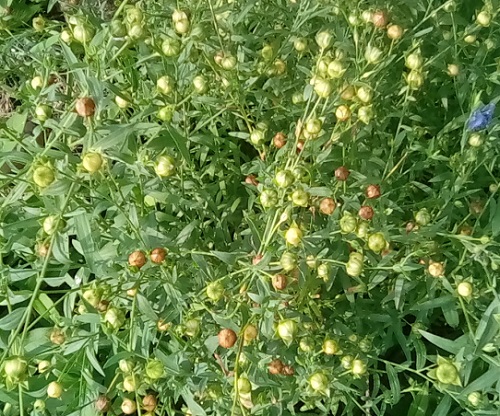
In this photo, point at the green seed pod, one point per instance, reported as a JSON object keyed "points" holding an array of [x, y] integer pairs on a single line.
{"points": [[348, 223]]}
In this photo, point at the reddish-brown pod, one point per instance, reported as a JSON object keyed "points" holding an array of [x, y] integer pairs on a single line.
{"points": [[279, 281], [288, 370], [366, 212], [373, 191], [279, 140], [137, 259], [85, 107], [251, 180], [300, 146], [158, 255], [256, 259], [342, 173], [327, 206], [275, 367], [227, 338], [380, 19]]}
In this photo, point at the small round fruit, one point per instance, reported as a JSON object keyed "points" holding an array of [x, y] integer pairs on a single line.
{"points": [[373, 191], [257, 137], [346, 362], [50, 224], [57, 336], [39, 405], [279, 281], [373, 54], [283, 178], [200, 84], [343, 113], [275, 367], [37, 82], [327, 206], [323, 271], [54, 390], [118, 29], [318, 382], [128, 406], [129, 384], [15, 368], [170, 47], [227, 338], [377, 242], [165, 166], [465, 289], [414, 61], [66, 36], [267, 52], [324, 39], [279, 140], [158, 255], [306, 345], [415, 80], [483, 19], [342, 173], [380, 19], [126, 366], [250, 333], [43, 176], [366, 212], [137, 259], [215, 291], [470, 39], [348, 223], [395, 32], [182, 26], [322, 87], [453, 70], [358, 367], [244, 385], [330, 347], [165, 84], [268, 198], [122, 102], [38, 23], [102, 404], [83, 34], [447, 373], [92, 162], [163, 326], [475, 140], [115, 318], [43, 112], [300, 44], [436, 269], [85, 107], [300, 198], [43, 366], [154, 369], [288, 261], [166, 113], [287, 330], [228, 62], [149, 402], [293, 235], [423, 217], [475, 398]]}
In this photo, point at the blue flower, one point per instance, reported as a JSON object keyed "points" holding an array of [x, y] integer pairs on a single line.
{"points": [[481, 118]]}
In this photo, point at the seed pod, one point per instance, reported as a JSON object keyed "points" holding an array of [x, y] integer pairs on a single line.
{"points": [[423, 217], [279, 281], [436, 269], [250, 333], [137, 259], [293, 235], [324, 39], [170, 47], [330, 347], [414, 61], [395, 32], [275, 367], [288, 261], [415, 80], [102, 404], [348, 223], [158, 255], [57, 336], [323, 271], [129, 384], [227, 338], [128, 406], [343, 113], [342, 173], [465, 289], [43, 112], [287, 330], [149, 402], [447, 372], [163, 326], [366, 212], [154, 369], [283, 178], [288, 370], [268, 198], [377, 242], [85, 107], [54, 390], [373, 191], [453, 70], [318, 382], [322, 87], [380, 19], [346, 361], [15, 368], [300, 198], [327, 206], [279, 140], [358, 367], [43, 366], [251, 180]]}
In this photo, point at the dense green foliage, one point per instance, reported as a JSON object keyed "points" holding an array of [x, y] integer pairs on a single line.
{"points": [[234, 207]]}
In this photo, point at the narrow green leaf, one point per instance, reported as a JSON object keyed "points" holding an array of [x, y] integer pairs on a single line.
{"points": [[394, 383], [452, 346], [84, 235], [145, 308], [443, 407], [12, 320]]}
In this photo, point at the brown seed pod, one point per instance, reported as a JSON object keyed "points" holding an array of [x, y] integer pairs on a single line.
{"points": [[85, 107], [227, 338], [251, 180], [256, 259], [300, 146], [466, 229], [149, 403], [102, 404], [158, 255], [409, 227], [373, 191], [57, 336], [342, 173], [366, 212], [276, 367], [288, 370], [279, 281], [137, 259], [279, 140], [380, 19], [327, 206], [103, 305]]}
